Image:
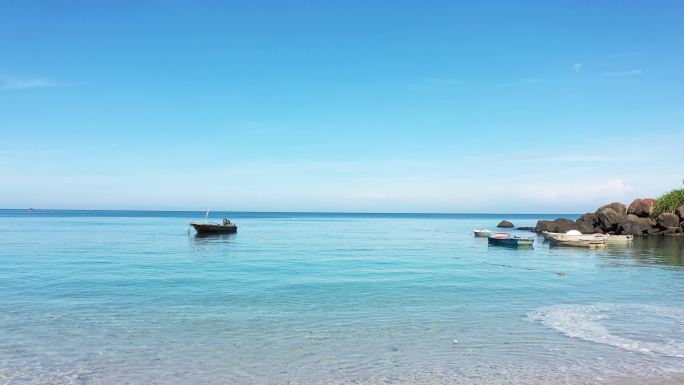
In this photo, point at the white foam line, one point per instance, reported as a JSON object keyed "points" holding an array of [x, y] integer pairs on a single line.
{"points": [[583, 322]]}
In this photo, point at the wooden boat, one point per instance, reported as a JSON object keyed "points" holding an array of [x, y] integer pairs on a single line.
{"points": [[482, 233], [592, 241], [620, 239], [575, 235], [214, 228], [506, 239]]}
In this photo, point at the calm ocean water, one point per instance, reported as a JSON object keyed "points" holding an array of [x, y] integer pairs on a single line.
{"points": [[113, 297]]}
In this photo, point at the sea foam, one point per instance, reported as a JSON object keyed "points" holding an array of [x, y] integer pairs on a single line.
{"points": [[590, 323]]}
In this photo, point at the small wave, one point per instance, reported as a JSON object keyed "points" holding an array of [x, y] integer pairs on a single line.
{"points": [[587, 322]]}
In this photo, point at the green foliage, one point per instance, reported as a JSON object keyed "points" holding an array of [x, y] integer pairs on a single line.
{"points": [[668, 202]]}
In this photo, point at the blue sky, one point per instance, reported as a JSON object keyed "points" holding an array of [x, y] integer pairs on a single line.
{"points": [[381, 106]]}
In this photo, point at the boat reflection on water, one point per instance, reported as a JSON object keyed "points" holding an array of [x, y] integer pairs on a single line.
{"points": [[659, 250], [663, 250], [217, 236], [212, 237], [209, 239]]}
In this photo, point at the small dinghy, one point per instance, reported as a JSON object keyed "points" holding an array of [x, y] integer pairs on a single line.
{"points": [[214, 228], [482, 233], [506, 239]]}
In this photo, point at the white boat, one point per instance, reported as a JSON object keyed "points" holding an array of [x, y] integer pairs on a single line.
{"points": [[482, 233], [576, 239], [620, 239], [574, 234]]}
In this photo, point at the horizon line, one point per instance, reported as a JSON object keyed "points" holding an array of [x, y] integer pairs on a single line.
{"points": [[295, 212]]}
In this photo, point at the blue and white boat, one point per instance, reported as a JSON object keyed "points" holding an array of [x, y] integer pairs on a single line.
{"points": [[506, 239]]}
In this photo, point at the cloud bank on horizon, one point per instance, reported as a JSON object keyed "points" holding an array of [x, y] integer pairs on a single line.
{"points": [[329, 107]]}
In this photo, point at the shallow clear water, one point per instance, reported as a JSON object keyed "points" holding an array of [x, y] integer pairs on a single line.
{"points": [[134, 298]]}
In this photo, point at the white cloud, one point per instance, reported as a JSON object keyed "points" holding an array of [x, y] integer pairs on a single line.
{"points": [[577, 67], [634, 72], [20, 84]]}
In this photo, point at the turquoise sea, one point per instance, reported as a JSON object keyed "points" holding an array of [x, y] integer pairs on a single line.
{"points": [[125, 297]]}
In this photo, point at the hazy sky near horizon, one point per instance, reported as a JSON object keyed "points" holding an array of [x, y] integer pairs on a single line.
{"points": [[401, 106]]}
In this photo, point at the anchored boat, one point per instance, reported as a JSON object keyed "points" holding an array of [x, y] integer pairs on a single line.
{"points": [[576, 239], [574, 234], [587, 240], [482, 233], [214, 228], [506, 239]]}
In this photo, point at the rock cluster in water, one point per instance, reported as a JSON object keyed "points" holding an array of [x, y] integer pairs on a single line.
{"points": [[616, 218]]}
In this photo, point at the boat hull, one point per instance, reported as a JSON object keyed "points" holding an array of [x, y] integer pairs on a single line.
{"points": [[213, 228], [578, 241], [619, 239], [482, 233], [565, 236], [510, 241]]}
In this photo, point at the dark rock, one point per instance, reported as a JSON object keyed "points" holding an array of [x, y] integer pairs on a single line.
{"points": [[666, 220], [616, 206], [598, 230], [525, 228], [560, 225], [585, 227], [641, 207], [586, 223], [609, 219], [633, 225], [543, 225], [654, 231], [680, 211], [504, 223], [588, 218]]}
